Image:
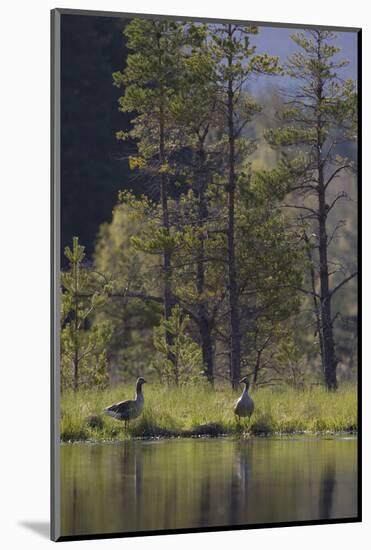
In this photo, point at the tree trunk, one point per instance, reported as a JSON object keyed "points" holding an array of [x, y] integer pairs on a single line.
{"points": [[205, 325], [316, 302], [327, 340], [328, 344], [207, 348], [168, 301], [76, 335], [235, 344], [256, 368], [75, 371]]}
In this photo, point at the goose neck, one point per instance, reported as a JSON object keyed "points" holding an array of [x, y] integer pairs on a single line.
{"points": [[139, 392], [245, 390]]}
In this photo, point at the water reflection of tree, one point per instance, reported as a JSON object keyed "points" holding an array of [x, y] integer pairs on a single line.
{"points": [[74, 506], [205, 508], [328, 485], [138, 462]]}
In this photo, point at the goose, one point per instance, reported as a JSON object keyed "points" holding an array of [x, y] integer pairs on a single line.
{"points": [[128, 410], [245, 405]]}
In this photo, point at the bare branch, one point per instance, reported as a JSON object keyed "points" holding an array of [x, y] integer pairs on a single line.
{"points": [[343, 282], [338, 226], [342, 195], [300, 208], [335, 173]]}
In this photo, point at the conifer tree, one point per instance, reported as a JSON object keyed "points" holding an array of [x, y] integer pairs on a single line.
{"points": [[236, 62], [186, 365], [270, 265], [194, 111], [150, 81], [320, 116], [83, 340]]}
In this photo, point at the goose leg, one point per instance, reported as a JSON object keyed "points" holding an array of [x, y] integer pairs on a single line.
{"points": [[249, 422], [237, 420]]}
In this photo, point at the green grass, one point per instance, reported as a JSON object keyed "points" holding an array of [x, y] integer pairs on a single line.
{"points": [[192, 411]]}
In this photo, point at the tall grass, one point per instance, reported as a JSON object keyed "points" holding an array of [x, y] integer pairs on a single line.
{"points": [[192, 410]]}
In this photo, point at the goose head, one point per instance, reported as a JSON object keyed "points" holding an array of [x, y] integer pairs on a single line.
{"points": [[141, 381], [245, 381]]}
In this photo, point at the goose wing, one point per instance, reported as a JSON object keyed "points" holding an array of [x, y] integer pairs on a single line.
{"points": [[123, 410], [237, 406], [244, 406]]}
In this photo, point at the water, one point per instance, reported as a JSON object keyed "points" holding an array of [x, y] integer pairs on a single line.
{"points": [[179, 484]]}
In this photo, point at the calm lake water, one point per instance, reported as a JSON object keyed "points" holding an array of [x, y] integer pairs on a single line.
{"points": [[186, 483]]}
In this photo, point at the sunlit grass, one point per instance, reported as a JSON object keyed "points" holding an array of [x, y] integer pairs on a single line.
{"points": [[202, 411]]}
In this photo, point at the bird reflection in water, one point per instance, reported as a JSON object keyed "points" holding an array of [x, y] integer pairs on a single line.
{"points": [[239, 483], [131, 469]]}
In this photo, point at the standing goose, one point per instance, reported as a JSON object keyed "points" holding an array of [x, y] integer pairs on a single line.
{"points": [[245, 405], [128, 410]]}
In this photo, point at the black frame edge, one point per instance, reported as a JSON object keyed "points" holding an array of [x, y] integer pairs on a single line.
{"points": [[124, 15], [55, 270], [214, 529]]}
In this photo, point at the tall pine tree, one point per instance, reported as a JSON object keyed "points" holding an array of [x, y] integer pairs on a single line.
{"points": [[236, 62], [150, 80], [320, 117]]}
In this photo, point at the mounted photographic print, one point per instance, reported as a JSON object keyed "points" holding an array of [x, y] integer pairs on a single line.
{"points": [[205, 319]]}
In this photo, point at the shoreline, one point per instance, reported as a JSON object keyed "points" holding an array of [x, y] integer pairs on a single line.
{"points": [[243, 435]]}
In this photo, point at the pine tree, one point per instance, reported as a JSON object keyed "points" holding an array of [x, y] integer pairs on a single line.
{"points": [[270, 265], [186, 365], [150, 81], [236, 62], [321, 116], [194, 111], [83, 341]]}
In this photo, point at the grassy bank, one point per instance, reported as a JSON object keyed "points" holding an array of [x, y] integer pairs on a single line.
{"points": [[196, 411]]}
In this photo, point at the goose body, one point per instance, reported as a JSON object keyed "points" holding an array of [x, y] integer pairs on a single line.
{"points": [[245, 405], [130, 409]]}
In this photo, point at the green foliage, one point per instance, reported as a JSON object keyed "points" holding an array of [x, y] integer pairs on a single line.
{"points": [[185, 364], [269, 283], [150, 82], [290, 363], [322, 104], [236, 62], [290, 135], [83, 341], [278, 182], [131, 271]]}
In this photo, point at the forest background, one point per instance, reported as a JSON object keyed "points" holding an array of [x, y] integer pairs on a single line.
{"points": [[279, 300]]}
